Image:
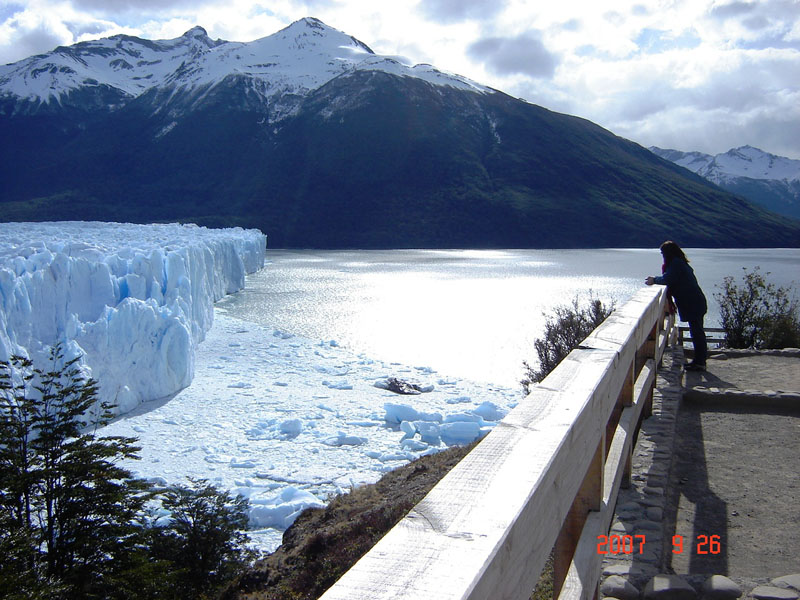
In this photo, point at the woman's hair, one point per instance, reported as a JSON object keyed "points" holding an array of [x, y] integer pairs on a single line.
{"points": [[670, 250]]}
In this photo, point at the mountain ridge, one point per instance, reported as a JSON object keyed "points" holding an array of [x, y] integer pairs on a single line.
{"points": [[312, 138], [299, 58], [767, 179]]}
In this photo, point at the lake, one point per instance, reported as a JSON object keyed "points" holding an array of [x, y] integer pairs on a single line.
{"points": [[467, 313]]}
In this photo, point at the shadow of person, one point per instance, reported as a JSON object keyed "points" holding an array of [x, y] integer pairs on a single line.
{"points": [[705, 379], [696, 539]]}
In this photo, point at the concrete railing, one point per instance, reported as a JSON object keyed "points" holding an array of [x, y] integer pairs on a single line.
{"points": [[545, 478]]}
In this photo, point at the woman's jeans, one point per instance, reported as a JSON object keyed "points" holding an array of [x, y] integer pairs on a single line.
{"points": [[698, 341]]}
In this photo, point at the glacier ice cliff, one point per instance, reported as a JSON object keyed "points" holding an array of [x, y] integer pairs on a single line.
{"points": [[132, 300]]}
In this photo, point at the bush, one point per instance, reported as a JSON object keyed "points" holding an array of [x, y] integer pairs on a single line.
{"points": [[202, 537], [74, 524], [758, 314], [563, 332]]}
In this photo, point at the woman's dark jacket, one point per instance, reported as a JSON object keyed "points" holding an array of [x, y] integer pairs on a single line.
{"points": [[683, 287]]}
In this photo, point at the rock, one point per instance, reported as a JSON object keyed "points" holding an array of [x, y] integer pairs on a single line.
{"points": [[648, 525], [654, 513], [619, 587], [617, 569], [719, 587], [770, 592], [398, 386], [669, 587], [787, 581]]}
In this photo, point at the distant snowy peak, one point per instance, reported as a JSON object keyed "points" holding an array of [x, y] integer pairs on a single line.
{"points": [[755, 164], [745, 161], [296, 60]]}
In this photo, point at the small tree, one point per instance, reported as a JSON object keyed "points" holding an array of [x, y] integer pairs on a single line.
{"points": [[758, 314], [563, 332], [70, 510], [75, 524], [202, 537]]}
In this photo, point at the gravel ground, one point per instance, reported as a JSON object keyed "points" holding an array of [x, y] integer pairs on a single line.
{"points": [[735, 475]]}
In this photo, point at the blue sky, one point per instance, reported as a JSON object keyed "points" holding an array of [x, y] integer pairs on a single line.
{"points": [[704, 75]]}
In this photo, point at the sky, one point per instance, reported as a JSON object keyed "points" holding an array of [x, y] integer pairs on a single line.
{"points": [[705, 75]]}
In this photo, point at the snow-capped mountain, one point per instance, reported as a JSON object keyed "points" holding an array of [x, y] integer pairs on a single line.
{"points": [[278, 69], [317, 141], [770, 180]]}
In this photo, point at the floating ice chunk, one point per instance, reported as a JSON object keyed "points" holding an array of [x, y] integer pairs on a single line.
{"points": [[218, 458], [490, 411], [241, 385], [292, 427], [459, 400], [460, 433], [409, 429], [281, 511], [397, 413], [362, 423], [414, 445], [342, 439], [338, 385], [237, 463], [464, 418], [404, 456], [430, 433]]}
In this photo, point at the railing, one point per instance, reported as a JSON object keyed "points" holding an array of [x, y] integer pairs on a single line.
{"points": [[714, 335], [546, 477]]}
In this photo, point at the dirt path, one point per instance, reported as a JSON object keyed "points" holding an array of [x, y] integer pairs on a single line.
{"points": [[735, 475]]}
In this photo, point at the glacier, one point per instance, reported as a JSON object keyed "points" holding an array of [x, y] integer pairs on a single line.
{"points": [[133, 301]]}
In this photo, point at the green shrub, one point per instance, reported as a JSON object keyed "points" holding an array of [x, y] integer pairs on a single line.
{"points": [[563, 332], [757, 313], [202, 537]]}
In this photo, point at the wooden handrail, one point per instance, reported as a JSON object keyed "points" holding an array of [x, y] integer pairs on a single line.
{"points": [[547, 475], [710, 337]]}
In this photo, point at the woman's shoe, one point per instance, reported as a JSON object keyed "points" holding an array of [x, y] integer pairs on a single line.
{"points": [[693, 366]]}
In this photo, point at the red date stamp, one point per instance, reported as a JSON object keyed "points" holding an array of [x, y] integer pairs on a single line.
{"points": [[706, 544], [634, 544]]}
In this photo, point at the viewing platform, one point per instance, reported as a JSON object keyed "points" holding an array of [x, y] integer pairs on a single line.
{"points": [[715, 481]]}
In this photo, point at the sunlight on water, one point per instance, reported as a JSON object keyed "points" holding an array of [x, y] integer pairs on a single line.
{"points": [[468, 313]]}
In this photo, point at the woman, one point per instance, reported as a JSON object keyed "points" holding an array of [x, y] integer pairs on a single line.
{"points": [[682, 285]]}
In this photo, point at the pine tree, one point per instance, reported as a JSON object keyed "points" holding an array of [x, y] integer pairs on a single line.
{"points": [[69, 510], [203, 536], [75, 524]]}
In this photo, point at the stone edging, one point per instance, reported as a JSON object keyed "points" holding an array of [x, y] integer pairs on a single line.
{"points": [[737, 352], [732, 396], [640, 508]]}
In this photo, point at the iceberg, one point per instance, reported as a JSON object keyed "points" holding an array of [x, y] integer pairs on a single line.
{"points": [[133, 301]]}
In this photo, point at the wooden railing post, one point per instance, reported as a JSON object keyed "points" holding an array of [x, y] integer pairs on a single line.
{"points": [[625, 399], [589, 498]]}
